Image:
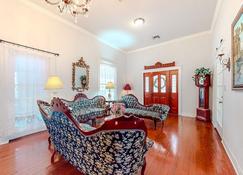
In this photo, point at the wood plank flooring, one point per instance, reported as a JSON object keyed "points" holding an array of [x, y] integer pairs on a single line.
{"points": [[184, 147]]}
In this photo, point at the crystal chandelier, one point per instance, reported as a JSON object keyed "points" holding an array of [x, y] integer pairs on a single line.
{"points": [[74, 7]]}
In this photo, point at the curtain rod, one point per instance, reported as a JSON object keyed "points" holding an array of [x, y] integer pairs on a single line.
{"points": [[28, 47]]}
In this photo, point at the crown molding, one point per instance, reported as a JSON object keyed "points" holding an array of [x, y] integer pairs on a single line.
{"points": [[171, 41], [216, 14], [68, 23]]}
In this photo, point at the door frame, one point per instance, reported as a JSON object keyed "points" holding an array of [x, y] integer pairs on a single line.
{"points": [[215, 99], [179, 83]]}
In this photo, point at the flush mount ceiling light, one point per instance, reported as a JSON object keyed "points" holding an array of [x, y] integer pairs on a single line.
{"points": [[74, 7], [139, 21]]}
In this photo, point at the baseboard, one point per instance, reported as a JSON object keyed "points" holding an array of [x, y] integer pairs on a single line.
{"points": [[3, 141], [232, 158], [187, 115]]}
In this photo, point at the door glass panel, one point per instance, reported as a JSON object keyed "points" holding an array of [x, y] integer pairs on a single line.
{"points": [[163, 84], [146, 84], [174, 84], [156, 84]]}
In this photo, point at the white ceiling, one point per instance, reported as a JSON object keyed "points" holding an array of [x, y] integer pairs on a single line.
{"points": [[112, 20]]}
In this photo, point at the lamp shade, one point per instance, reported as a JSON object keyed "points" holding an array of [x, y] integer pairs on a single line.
{"points": [[110, 85], [127, 87], [54, 82]]}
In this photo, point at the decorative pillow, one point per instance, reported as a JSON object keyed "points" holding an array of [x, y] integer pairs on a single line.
{"points": [[86, 127]]}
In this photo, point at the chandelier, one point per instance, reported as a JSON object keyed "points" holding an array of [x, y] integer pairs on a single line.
{"points": [[74, 7]]}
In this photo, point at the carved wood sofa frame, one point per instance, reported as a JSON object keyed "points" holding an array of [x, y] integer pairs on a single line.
{"points": [[151, 109], [81, 96], [122, 123]]}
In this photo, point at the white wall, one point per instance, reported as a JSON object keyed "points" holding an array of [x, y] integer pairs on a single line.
{"points": [[189, 53], [233, 100], [28, 24]]}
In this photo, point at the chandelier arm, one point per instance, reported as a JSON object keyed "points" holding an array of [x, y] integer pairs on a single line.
{"points": [[61, 8], [53, 3]]}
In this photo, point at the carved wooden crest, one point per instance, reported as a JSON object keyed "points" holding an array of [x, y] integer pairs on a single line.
{"points": [[160, 65]]}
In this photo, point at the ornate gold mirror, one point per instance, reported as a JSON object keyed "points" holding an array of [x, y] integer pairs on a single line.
{"points": [[80, 79]]}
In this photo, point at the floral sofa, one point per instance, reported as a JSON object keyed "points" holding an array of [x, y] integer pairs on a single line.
{"points": [[155, 112], [84, 109], [118, 147]]}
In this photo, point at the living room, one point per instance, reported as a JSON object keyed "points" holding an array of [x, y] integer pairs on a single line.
{"points": [[150, 49]]}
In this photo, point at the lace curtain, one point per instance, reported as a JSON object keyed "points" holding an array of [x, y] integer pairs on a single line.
{"points": [[23, 74]]}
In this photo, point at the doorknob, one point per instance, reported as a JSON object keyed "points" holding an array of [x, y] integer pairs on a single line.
{"points": [[220, 102]]}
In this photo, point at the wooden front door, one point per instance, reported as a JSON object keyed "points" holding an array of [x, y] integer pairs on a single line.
{"points": [[162, 88]]}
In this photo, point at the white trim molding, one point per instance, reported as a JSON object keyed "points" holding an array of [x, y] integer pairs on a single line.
{"points": [[3, 141], [208, 32], [232, 158]]}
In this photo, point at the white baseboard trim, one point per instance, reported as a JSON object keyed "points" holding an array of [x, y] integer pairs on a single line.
{"points": [[3, 141], [232, 158], [20, 134], [187, 115]]}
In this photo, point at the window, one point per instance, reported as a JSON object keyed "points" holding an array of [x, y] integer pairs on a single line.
{"points": [[147, 84], [156, 84], [174, 84], [107, 74], [163, 83], [30, 76], [23, 73]]}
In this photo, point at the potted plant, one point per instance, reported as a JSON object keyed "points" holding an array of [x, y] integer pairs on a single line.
{"points": [[202, 76]]}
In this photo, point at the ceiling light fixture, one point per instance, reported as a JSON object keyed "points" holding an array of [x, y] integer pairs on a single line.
{"points": [[139, 21], [74, 7], [156, 37]]}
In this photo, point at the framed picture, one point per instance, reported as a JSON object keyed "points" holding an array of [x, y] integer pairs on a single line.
{"points": [[237, 51]]}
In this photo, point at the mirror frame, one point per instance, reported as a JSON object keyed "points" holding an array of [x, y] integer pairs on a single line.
{"points": [[81, 63]]}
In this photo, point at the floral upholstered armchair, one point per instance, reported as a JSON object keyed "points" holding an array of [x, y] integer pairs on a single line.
{"points": [[84, 109], [155, 112], [117, 147]]}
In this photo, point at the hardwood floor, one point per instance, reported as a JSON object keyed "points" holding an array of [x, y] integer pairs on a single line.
{"points": [[184, 147]]}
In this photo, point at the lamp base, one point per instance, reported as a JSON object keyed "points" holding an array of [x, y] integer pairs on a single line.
{"points": [[109, 96]]}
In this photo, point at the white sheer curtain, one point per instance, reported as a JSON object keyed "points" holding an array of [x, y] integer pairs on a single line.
{"points": [[108, 73], [23, 74]]}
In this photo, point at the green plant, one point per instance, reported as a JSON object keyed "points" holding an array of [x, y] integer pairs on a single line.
{"points": [[202, 72]]}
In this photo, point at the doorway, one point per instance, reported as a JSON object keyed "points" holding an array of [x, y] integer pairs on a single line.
{"points": [[161, 87]]}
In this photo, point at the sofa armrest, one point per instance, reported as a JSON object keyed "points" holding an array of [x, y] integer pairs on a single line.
{"points": [[162, 109]]}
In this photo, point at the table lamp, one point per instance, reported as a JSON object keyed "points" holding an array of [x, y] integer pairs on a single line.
{"points": [[54, 83], [127, 88], [109, 86]]}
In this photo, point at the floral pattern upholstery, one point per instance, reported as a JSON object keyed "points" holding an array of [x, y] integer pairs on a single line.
{"points": [[86, 127], [157, 111], [107, 152], [85, 109]]}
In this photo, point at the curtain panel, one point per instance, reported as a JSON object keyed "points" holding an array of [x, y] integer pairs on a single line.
{"points": [[23, 73]]}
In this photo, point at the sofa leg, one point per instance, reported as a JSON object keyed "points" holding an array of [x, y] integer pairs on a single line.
{"points": [[53, 156], [163, 124], [155, 124], [144, 167], [49, 142]]}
